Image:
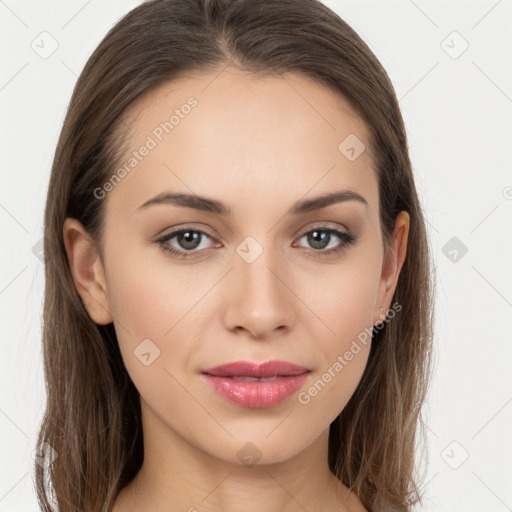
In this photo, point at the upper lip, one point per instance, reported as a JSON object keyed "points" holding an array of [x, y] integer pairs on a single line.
{"points": [[262, 370]]}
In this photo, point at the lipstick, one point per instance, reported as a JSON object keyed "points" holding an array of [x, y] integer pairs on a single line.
{"points": [[256, 385]]}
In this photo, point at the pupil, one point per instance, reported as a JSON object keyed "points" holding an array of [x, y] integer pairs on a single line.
{"points": [[191, 239], [319, 244]]}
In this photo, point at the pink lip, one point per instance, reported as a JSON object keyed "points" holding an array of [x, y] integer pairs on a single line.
{"points": [[256, 394]]}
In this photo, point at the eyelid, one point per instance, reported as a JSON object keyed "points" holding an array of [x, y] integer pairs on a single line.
{"points": [[181, 227], [322, 224]]}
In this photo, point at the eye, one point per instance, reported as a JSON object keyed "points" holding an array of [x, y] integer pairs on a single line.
{"points": [[187, 238], [321, 237]]}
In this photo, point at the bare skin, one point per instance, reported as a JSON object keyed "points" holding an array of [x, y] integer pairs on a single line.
{"points": [[258, 145]]}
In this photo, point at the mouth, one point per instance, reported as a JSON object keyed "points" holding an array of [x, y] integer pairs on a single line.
{"points": [[255, 385], [245, 370]]}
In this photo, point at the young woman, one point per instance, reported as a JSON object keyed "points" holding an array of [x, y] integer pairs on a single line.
{"points": [[238, 303]]}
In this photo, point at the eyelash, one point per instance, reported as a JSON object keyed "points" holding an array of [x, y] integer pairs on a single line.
{"points": [[346, 238]]}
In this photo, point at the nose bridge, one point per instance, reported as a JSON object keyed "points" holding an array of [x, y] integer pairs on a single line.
{"points": [[260, 282], [259, 301]]}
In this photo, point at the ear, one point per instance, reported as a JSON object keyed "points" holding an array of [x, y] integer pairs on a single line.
{"points": [[392, 265], [87, 269]]}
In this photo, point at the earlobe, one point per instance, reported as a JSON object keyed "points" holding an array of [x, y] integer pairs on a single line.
{"points": [[393, 263], [87, 270]]}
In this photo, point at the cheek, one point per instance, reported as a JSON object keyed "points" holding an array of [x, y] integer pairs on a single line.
{"points": [[333, 385], [343, 299], [144, 307], [149, 309], [155, 305], [343, 353], [147, 296]]}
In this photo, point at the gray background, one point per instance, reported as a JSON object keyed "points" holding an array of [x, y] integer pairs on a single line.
{"points": [[457, 105]]}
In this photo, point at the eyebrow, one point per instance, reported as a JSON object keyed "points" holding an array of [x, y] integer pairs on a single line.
{"points": [[213, 206]]}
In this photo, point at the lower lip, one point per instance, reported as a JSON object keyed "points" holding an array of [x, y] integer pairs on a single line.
{"points": [[258, 394]]}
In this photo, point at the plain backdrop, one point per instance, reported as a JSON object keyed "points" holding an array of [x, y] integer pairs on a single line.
{"points": [[450, 63]]}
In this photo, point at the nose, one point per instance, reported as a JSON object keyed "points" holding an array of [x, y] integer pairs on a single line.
{"points": [[259, 300]]}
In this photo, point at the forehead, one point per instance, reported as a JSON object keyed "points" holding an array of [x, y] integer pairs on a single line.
{"points": [[237, 136]]}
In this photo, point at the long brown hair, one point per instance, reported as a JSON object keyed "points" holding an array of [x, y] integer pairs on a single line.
{"points": [[92, 421]]}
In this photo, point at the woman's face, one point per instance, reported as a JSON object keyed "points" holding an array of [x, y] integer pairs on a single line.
{"points": [[255, 279]]}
